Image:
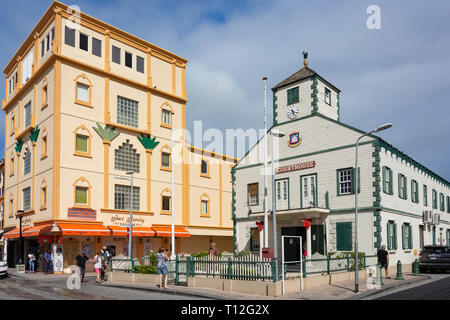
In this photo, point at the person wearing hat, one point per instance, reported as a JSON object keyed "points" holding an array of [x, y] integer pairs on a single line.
{"points": [[105, 261]]}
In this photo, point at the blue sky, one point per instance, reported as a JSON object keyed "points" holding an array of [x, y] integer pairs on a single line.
{"points": [[398, 74]]}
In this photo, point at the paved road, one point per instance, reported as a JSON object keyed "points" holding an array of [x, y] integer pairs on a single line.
{"points": [[17, 289], [436, 290]]}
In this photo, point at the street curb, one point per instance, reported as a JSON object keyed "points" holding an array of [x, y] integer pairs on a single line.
{"points": [[21, 277], [168, 291], [370, 293]]}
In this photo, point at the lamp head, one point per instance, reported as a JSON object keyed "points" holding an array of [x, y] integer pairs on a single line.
{"points": [[277, 133], [130, 172], [384, 127]]}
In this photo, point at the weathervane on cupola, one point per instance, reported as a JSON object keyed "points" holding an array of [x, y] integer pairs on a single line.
{"points": [[305, 59]]}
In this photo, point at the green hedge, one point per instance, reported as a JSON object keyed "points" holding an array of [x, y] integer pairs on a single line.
{"points": [[205, 254], [145, 269]]}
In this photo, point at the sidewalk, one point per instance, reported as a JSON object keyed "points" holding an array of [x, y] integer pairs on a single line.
{"points": [[40, 276], [341, 291]]}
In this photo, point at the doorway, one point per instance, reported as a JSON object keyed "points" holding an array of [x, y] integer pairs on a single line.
{"points": [[292, 245], [318, 239], [421, 236]]}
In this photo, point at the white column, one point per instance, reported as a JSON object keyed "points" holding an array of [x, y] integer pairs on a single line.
{"points": [[261, 242], [308, 242]]}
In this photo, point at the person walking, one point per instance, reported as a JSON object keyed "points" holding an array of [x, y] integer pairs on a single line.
{"points": [[105, 262], [31, 259], [161, 266], [48, 262], [98, 263], [383, 259], [80, 261]]}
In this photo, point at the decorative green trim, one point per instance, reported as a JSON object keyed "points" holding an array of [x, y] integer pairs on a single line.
{"points": [[35, 134], [247, 219], [148, 142], [106, 133], [275, 108], [309, 154], [19, 145], [408, 159], [349, 210], [315, 99], [376, 165]]}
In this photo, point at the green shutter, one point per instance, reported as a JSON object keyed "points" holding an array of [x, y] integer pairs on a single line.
{"points": [[339, 236], [412, 191], [389, 232], [353, 180], [338, 190], [81, 195], [405, 193], [399, 184], [391, 189], [410, 245], [82, 143], [395, 237], [344, 236], [384, 180], [404, 245]]}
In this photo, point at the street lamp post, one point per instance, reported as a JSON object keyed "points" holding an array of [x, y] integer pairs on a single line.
{"points": [[381, 128], [130, 226], [21, 253], [275, 134]]}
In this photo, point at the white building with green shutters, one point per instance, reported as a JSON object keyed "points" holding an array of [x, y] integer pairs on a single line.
{"points": [[402, 204]]}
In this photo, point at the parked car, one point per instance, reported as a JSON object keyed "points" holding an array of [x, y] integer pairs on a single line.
{"points": [[434, 258], [3, 269]]}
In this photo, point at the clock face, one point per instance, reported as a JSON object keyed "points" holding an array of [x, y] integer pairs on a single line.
{"points": [[293, 112]]}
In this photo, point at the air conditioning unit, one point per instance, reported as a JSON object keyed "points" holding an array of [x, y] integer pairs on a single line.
{"points": [[427, 217], [436, 219]]}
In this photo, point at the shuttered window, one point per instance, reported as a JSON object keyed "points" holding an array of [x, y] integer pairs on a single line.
{"points": [[425, 195], [69, 38], [115, 55], [140, 64], [442, 202], [387, 181], [26, 199], [407, 236], [293, 95], [392, 235], [346, 181], [96, 47], [448, 204], [253, 194], [344, 236], [414, 191], [434, 195], [402, 187]]}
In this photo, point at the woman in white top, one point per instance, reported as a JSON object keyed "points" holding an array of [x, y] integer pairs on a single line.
{"points": [[98, 265]]}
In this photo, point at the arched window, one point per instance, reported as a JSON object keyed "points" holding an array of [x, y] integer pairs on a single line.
{"points": [[166, 201], [44, 144], [204, 206], [166, 115], [127, 158], [82, 142], [44, 94], [82, 193], [27, 162], [11, 206], [43, 195], [83, 91], [11, 164], [166, 158]]}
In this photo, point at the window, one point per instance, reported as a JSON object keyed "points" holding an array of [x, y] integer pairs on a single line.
{"points": [[43, 195], [387, 181], [47, 38], [115, 55], [44, 145], [254, 239], [140, 64], [166, 203], [11, 207], [204, 168], [402, 188], [27, 66], [127, 112], [448, 206], [69, 38], [425, 195], [391, 235], [344, 236], [84, 41], [122, 197], [293, 95], [128, 60], [26, 199], [253, 194], [327, 96], [407, 236], [27, 112], [165, 160], [27, 162], [96, 47], [53, 33], [279, 190], [82, 92], [345, 181], [44, 95], [11, 166], [441, 202], [13, 123], [81, 143], [81, 197], [414, 191], [205, 210], [42, 48], [166, 115], [434, 196], [127, 158]]}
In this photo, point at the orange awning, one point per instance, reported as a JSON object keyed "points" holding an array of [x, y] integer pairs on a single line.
{"points": [[167, 232], [137, 231], [35, 231], [81, 229], [15, 234]]}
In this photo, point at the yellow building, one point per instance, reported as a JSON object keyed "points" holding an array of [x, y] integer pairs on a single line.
{"points": [[86, 102]]}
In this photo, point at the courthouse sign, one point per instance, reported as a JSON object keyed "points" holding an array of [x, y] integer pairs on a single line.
{"points": [[296, 167]]}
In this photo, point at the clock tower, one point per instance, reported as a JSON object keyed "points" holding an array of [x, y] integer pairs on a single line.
{"points": [[305, 93]]}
